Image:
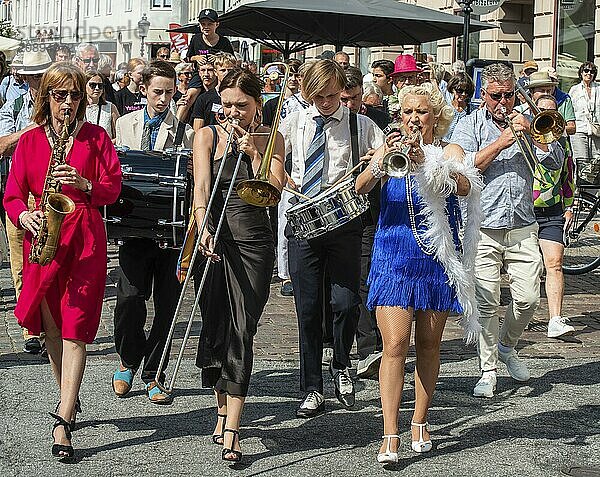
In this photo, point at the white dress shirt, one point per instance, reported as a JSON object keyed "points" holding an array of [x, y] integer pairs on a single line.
{"points": [[298, 130]]}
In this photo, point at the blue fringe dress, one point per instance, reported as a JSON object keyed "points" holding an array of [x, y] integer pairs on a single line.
{"points": [[404, 272]]}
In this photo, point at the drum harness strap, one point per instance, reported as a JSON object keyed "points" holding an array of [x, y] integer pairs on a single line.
{"points": [[354, 138]]}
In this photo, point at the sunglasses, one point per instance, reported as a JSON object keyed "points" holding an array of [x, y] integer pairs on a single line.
{"points": [[499, 96], [588, 70], [88, 61], [460, 91], [60, 95], [163, 56], [96, 85], [187, 73]]}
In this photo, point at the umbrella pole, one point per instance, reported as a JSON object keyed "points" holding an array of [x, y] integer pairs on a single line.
{"points": [[466, 4]]}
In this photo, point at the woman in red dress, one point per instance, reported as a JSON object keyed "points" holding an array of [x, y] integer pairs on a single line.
{"points": [[64, 298]]}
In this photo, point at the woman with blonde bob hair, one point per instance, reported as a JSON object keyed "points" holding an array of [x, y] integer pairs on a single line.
{"points": [[64, 297], [422, 264]]}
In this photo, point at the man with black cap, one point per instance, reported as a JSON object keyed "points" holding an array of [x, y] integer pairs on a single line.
{"points": [[203, 47], [208, 41]]}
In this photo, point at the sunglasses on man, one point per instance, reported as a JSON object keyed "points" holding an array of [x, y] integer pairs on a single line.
{"points": [[88, 61], [589, 70], [60, 95], [164, 57], [499, 96]]}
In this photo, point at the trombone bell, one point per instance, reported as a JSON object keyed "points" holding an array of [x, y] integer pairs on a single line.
{"points": [[547, 126], [258, 192]]}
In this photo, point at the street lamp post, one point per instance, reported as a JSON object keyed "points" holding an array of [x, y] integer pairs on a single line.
{"points": [[467, 10], [143, 27]]}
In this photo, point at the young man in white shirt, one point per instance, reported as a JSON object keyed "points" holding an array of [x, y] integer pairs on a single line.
{"points": [[316, 165]]}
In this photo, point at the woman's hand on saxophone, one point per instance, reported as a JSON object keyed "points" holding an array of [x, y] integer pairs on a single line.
{"points": [[31, 220], [68, 175]]}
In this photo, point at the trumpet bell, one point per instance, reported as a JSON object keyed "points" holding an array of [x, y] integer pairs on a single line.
{"points": [[547, 126], [396, 164], [258, 192]]}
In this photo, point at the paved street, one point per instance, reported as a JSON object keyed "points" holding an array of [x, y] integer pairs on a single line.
{"points": [[550, 424]]}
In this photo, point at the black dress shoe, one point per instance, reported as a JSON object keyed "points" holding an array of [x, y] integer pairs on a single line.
{"points": [[344, 387], [312, 405], [32, 346]]}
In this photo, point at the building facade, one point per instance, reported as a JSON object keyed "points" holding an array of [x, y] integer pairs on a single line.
{"points": [[558, 33], [112, 25]]}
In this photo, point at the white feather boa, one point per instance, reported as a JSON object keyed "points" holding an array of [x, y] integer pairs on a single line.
{"points": [[434, 185]]}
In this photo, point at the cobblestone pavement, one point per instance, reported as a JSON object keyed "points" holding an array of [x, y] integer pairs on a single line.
{"points": [[277, 337]]}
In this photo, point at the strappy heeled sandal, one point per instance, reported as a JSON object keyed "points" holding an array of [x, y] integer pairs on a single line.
{"points": [[61, 451], [218, 438], [75, 412], [234, 455], [421, 445], [388, 457]]}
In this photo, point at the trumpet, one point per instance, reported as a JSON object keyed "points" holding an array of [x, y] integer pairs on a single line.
{"points": [[397, 162]]}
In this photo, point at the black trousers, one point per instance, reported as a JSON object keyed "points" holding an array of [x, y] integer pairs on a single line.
{"points": [[145, 269], [368, 337], [340, 251]]}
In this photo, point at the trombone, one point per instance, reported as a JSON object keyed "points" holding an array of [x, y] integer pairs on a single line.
{"points": [[546, 127], [258, 191], [168, 388]]}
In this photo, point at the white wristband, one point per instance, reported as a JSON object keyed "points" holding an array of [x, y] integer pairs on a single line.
{"points": [[21, 215], [377, 172]]}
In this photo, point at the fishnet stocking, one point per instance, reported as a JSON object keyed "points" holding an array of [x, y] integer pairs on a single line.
{"points": [[395, 326]]}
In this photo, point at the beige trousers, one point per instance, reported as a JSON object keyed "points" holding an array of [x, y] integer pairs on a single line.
{"points": [[15, 246], [518, 251]]}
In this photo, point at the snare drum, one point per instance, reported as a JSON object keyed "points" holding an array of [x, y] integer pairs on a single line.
{"points": [[155, 197], [327, 211]]}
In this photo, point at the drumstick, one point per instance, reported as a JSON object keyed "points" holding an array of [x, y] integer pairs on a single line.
{"points": [[295, 192], [348, 174]]}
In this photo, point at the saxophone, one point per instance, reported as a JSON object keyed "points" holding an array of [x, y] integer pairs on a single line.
{"points": [[53, 204]]}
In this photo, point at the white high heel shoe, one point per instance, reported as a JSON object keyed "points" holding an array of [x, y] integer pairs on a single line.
{"points": [[421, 445], [388, 457]]}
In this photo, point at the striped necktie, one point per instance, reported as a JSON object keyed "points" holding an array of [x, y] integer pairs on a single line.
{"points": [[315, 158]]}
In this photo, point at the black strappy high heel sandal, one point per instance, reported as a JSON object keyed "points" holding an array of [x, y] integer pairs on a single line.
{"points": [[218, 438], [235, 456], [76, 411], [62, 451]]}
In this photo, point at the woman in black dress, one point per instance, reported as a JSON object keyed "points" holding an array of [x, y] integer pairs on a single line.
{"points": [[237, 286]]}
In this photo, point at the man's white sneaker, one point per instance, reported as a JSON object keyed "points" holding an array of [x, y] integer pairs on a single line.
{"points": [[312, 405], [558, 326], [486, 385], [369, 367], [516, 368]]}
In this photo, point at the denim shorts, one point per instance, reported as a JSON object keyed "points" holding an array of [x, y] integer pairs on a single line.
{"points": [[551, 222]]}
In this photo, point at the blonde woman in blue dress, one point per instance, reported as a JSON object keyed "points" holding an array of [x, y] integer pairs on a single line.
{"points": [[423, 256]]}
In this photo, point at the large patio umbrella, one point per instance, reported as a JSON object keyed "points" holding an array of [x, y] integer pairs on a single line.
{"points": [[290, 26]]}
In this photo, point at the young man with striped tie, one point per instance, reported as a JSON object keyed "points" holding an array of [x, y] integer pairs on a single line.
{"points": [[319, 140]]}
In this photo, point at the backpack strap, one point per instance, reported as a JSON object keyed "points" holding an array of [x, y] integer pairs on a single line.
{"points": [[17, 106]]}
